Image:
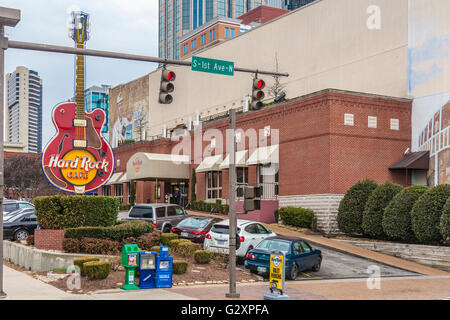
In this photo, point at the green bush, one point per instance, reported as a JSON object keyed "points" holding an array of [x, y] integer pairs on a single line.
{"points": [[225, 208], [397, 215], [155, 248], [351, 208], [149, 240], [62, 211], [71, 245], [297, 217], [180, 266], [97, 269], [123, 207], [99, 246], [372, 221], [166, 237], [276, 215], [185, 248], [445, 222], [202, 256], [115, 233], [426, 214], [79, 262]]}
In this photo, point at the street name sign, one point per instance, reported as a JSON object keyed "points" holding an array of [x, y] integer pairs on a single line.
{"points": [[213, 66]]}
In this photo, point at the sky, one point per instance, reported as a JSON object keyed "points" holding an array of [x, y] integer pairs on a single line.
{"points": [[116, 25]]}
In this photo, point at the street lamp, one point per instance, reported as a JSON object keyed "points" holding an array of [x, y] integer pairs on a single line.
{"points": [[8, 18]]}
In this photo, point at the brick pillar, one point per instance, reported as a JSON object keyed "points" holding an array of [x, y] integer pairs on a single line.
{"points": [[125, 193], [201, 186], [252, 175], [225, 181]]}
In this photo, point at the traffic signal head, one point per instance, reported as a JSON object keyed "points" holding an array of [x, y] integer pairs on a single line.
{"points": [[251, 198], [167, 86], [258, 93]]}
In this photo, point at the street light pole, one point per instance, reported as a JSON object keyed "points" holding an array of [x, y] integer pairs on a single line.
{"points": [[10, 18], [232, 211]]}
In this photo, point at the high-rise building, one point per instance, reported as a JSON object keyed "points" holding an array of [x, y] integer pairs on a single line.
{"points": [[24, 113], [98, 98]]}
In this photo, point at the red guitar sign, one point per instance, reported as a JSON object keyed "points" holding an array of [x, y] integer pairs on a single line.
{"points": [[78, 159]]}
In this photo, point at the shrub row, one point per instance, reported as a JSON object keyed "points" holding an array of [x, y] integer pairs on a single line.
{"points": [[218, 207], [63, 211], [297, 217], [91, 246], [93, 267], [117, 233], [183, 247]]}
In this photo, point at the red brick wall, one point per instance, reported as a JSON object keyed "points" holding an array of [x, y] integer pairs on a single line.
{"points": [[49, 239]]}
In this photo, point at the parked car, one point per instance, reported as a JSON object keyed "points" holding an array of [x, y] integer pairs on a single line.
{"points": [[163, 215], [11, 214], [300, 256], [251, 233], [20, 226], [194, 228], [13, 205]]}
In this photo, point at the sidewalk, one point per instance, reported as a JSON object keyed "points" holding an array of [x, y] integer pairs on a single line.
{"points": [[350, 249]]}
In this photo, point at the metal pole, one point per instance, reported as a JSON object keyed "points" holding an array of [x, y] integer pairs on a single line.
{"points": [[232, 211], [2, 100], [116, 55]]}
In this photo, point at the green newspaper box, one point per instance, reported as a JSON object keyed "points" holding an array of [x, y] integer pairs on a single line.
{"points": [[130, 261]]}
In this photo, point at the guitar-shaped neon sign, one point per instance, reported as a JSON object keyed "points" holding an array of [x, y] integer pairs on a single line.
{"points": [[78, 159]]}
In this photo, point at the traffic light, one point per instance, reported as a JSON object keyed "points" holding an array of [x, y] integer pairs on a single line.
{"points": [[167, 86], [258, 93], [252, 198]]}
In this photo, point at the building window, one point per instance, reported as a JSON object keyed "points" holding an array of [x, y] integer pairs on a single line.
{"points": [[395, 124], [231, 33], [221, 11], [107, 191], [349, 119], [372, 122], [185, 15], [214, 185], [268, 180], [241, 179], [227, 33], [239, 8], [209, 10], [118, 191]]}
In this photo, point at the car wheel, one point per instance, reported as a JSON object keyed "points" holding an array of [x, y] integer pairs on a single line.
{"points": [[167, 229], [294, 273], [22, 234], [316, 267]]}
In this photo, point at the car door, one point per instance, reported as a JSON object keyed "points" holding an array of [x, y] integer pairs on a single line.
{"points": [[251, 237], [262, 232], [160, 215], [309, 255]]}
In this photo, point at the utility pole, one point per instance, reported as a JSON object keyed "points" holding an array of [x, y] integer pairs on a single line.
{"points": [[8, 18], [232, 211]]}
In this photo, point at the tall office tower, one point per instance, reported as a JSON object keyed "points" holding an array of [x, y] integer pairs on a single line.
{"points": [[294, 4], [98, 98], [24, 113], [178, 17]]}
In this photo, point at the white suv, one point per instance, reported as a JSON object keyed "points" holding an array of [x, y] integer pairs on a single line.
{"points": [[251, 233]]}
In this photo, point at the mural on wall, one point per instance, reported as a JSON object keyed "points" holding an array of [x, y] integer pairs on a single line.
{"points": [[129, 112], [429, 83]]}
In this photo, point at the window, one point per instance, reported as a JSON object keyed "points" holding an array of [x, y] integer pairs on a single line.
{"points": [[296, 248], [214, 185], [372, 122], [185, 14], [174, 211], [227, 33], [261, 229], [251, 228], [349, 119], [395, 124], [221, 11], [306, 248], [118, 191], [160, 212], [25, 205], [241, 179], [231, 33], [141, 212]]}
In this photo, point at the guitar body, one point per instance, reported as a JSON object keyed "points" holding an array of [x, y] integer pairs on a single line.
{"points": [[75, 163]]}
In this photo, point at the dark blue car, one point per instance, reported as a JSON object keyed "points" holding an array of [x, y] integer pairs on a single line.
{"points": [[300, 256]]}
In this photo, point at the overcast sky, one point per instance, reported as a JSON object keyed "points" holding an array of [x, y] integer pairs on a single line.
{"points": [[116, 25]]}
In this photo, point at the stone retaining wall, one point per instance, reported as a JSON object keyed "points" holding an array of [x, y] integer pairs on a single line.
{"points": [[37, 260], [325, 207], [433, 256]]}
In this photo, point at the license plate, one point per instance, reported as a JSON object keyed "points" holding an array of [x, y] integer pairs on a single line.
{"points": [[261, 269], [221, 241], [184, 234]]}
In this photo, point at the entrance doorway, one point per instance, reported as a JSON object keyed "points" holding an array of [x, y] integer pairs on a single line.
{"points": [[177, 192]]}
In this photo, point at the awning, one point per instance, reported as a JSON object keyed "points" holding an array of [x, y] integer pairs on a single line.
{"points": [[264, 155], [150, 166], [414, 160], [115, 178], [123, 178], [210, 164], [240, 159]]}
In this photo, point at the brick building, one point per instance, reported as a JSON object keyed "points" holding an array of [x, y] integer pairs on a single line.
{"points": [[309, 152]]}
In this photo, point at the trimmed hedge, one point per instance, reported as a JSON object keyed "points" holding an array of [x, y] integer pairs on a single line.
{"points": [[99, 246], [149, 240], [427, 212], [62, 211], [166, 237], [202, 256], [445, 222], [79, 262], [30, 240], [351, 208], [71, 245], [180, 266], [297, 217], [97, 269], [397, 215], [374, 210], [116, 233]]}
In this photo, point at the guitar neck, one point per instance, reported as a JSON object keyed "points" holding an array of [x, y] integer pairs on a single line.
{"points": [[79, 84]]}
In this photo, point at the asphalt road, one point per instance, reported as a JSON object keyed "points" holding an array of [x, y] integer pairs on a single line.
{"points": [[338, 265]]}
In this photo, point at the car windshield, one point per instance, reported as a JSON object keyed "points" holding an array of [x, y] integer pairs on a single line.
{"points": [[198, 223], [274, 245], [222, 229]]}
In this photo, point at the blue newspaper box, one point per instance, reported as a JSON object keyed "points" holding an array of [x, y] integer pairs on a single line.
{"points": [[164, 264], [147, 269]]}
